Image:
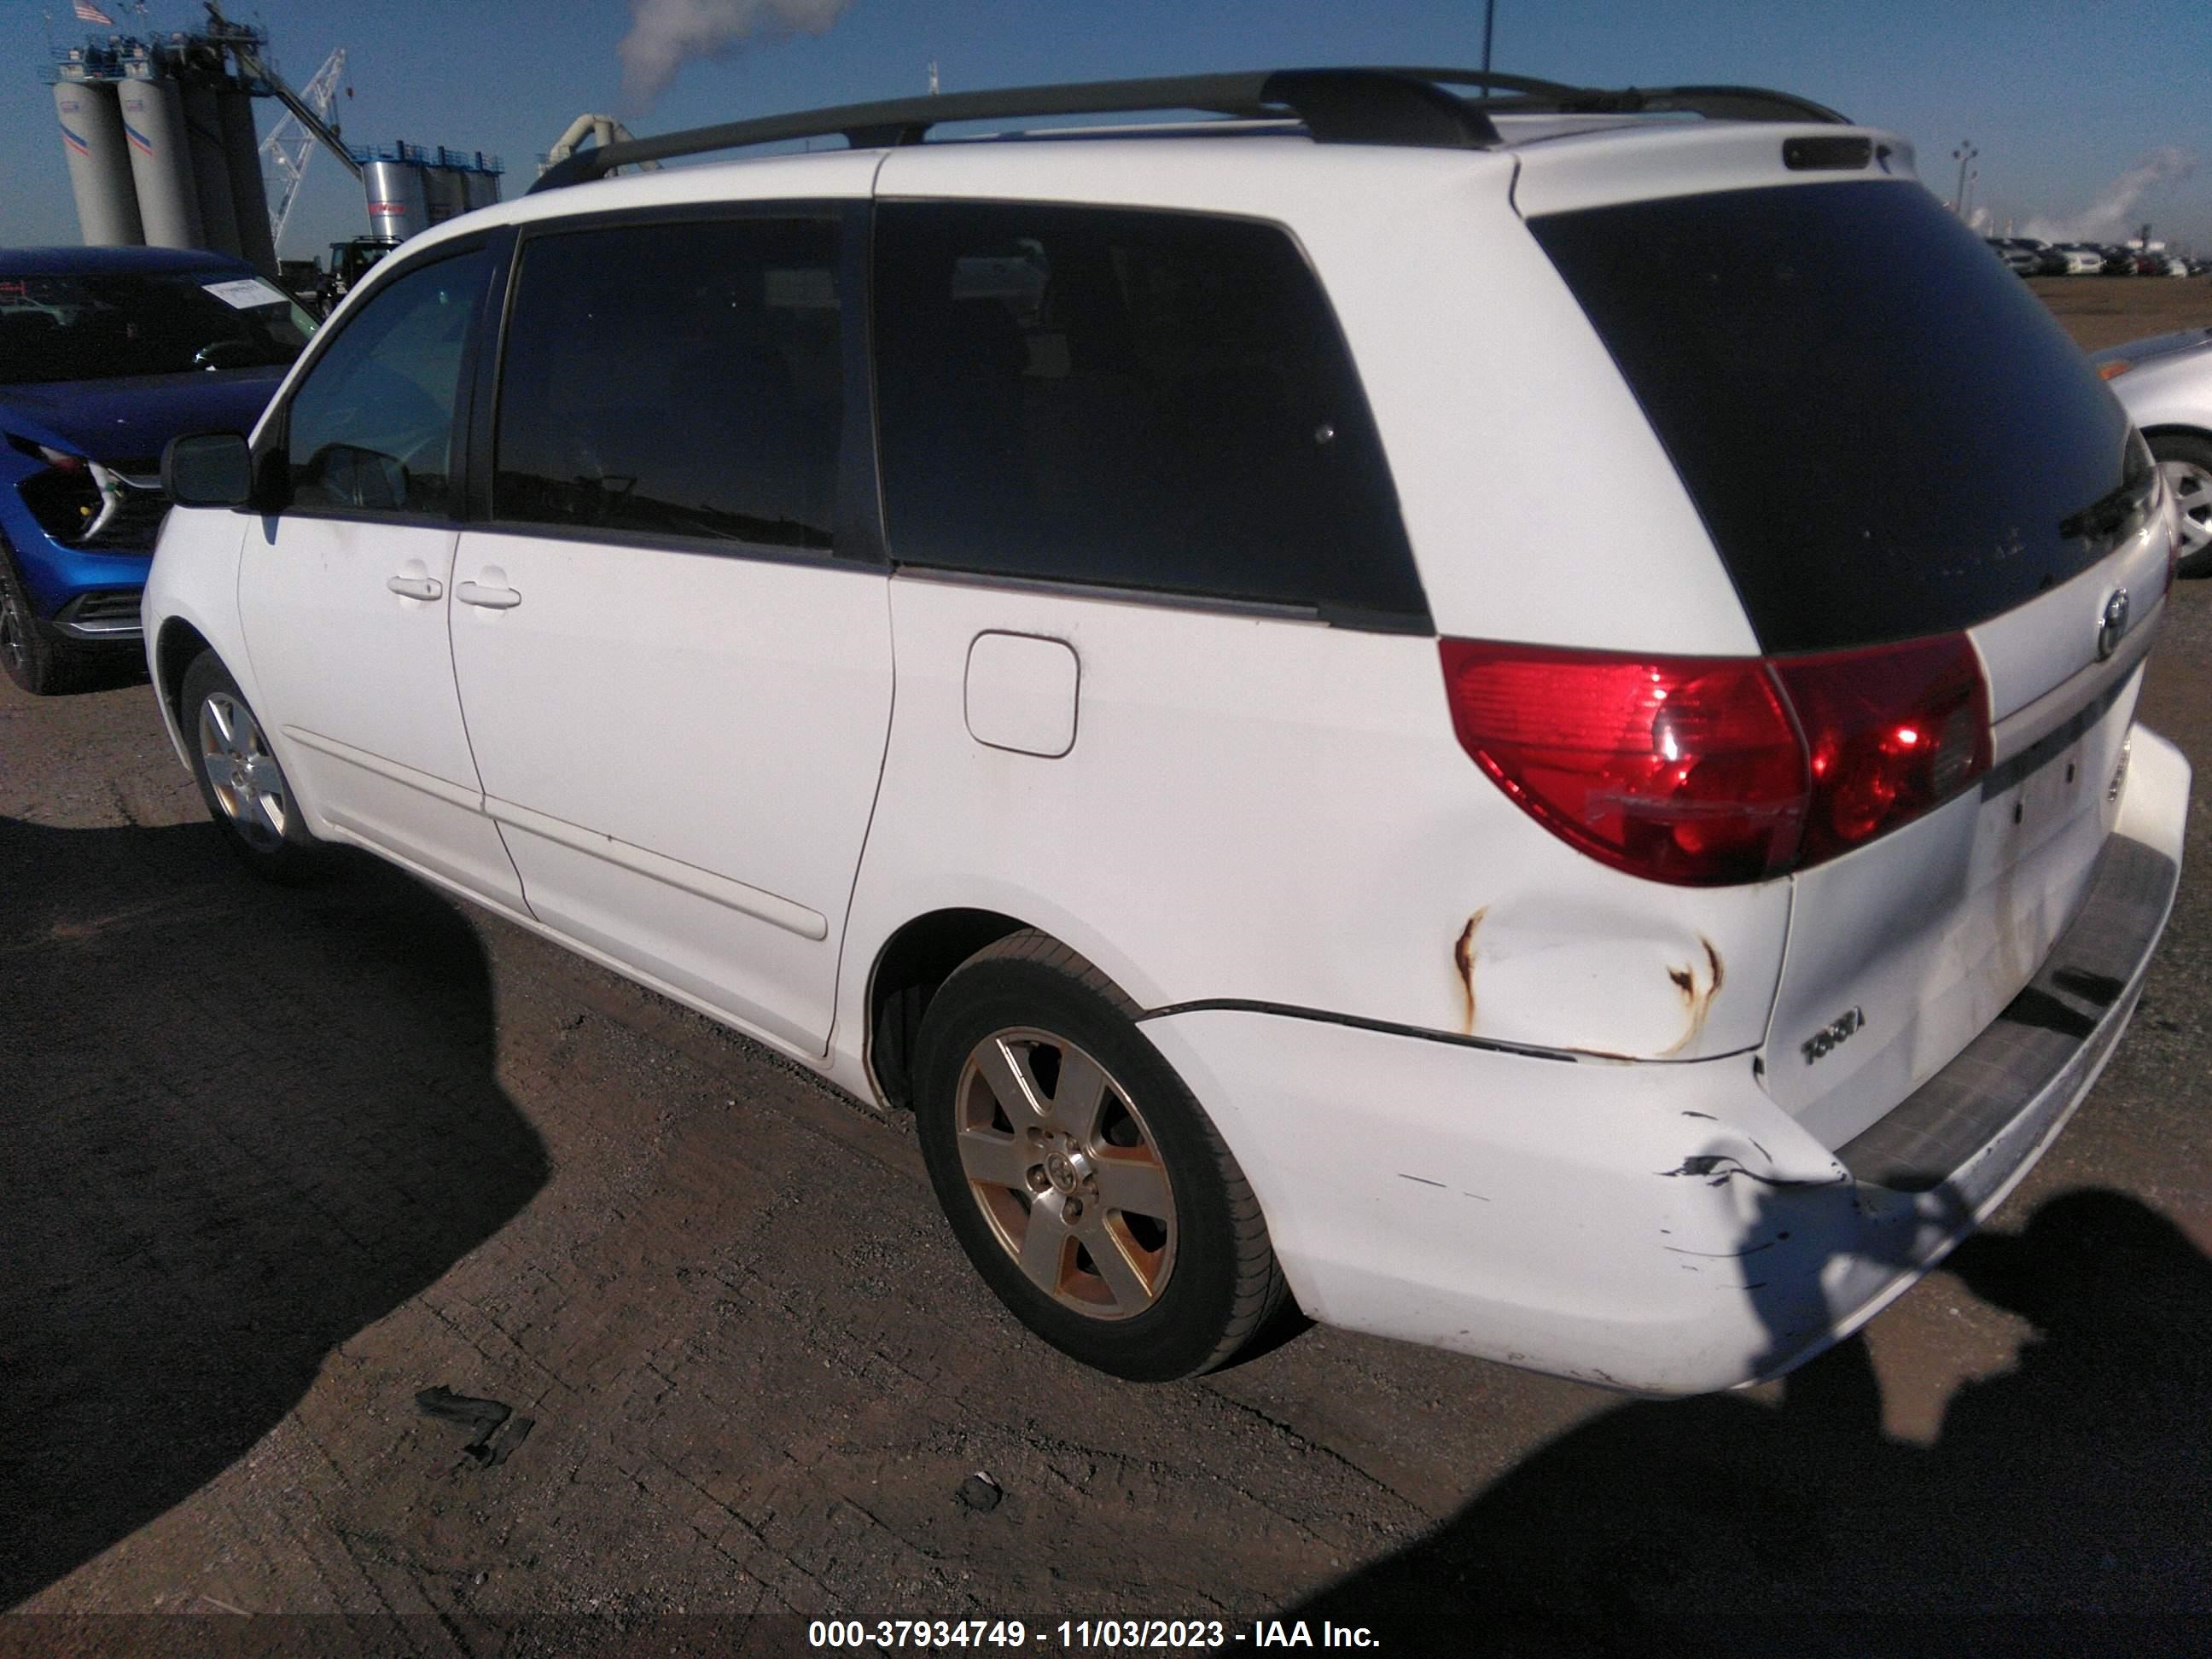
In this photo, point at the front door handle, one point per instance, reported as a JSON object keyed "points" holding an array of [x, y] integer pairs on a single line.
{"points": [[490, 598], [415, 587]]}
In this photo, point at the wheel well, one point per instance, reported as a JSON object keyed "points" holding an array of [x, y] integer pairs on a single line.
{"points": [[179, 642], [914, 962]]}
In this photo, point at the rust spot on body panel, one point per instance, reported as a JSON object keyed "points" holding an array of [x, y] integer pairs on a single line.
{"points": [[1463, 959], [1697, 1001]]}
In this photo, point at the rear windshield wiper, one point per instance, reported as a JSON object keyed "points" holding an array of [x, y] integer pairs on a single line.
{"points": [[2119, 513]]}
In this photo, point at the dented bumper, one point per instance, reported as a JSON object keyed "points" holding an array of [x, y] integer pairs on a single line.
{"points": [[1662, 1228]]}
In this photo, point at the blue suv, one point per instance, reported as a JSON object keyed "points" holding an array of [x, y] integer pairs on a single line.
{"points": [[106, 354]]}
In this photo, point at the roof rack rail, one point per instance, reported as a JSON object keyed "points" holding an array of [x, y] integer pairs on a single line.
{"points": [[1714, 103], [1384, 106]]}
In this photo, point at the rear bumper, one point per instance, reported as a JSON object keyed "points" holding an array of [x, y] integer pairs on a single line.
{"points": [[1662, 1228]]}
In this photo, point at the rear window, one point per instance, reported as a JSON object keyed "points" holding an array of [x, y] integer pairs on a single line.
{"points": [[675, 379], [1888, 435], [1155, 401]]}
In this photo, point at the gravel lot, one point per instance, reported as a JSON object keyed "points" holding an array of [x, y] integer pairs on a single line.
{"points": [[272, 1161]]}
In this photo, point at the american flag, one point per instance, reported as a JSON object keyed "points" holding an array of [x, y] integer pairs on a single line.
{"points": [[88, 13]]}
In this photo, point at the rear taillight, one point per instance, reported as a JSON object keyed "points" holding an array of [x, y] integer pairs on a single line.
{"points": [[1704, 771], [1890, 732], [1684, 769]]}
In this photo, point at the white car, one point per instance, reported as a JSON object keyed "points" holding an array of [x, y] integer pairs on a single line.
{"points": [[1441, 707], [2164, 383], [2081, 260]]}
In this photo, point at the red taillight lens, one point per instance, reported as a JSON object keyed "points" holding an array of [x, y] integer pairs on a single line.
{"points": [[1892, 731], [1683, 770], [1703, 771]]}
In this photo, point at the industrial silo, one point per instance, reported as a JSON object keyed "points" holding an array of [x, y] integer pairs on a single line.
{"points": [[256, 242], [397, 206], [99, 163], [161, 162], [210, 167], [445, 191], [479, 186]]}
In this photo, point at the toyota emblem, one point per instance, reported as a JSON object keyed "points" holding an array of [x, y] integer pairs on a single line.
{"points": [[2113, 624]]}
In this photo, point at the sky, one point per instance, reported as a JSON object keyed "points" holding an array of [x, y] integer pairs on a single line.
{"points": [[2070, 105]]}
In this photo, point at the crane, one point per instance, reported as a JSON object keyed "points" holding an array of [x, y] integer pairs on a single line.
{"points": [[290, 145]]}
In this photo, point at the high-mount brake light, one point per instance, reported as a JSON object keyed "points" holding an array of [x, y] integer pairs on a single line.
{"points": [[1704, 771]]}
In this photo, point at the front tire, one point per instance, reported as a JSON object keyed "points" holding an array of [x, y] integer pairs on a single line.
{"points": [[35, 657], [2186, 461], [241, 779], [1085, 1183]]}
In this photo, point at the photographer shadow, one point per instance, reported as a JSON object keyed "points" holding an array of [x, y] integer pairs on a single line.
{"points": [[238, 1124], [2062, 1509]]}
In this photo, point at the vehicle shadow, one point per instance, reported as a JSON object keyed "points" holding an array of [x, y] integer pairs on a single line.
{"points": [[2062, 1509], [238, 1124]]}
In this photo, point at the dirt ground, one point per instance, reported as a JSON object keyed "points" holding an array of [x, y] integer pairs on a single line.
{"points": [[272, 1161]]}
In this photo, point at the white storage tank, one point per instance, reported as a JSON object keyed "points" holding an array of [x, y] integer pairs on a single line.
{"points": [[446, 194], [99, 163], [161, 162], [480, 186], [396, 201]]}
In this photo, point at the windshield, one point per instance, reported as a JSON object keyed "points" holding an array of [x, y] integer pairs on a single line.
{"points": [[1887, 434], [104, 325]]}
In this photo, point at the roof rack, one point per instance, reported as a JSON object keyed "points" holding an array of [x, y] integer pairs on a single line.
{"points": [[1397, 107]]}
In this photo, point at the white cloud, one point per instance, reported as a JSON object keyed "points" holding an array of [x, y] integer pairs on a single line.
{"points": [[663, 34]]}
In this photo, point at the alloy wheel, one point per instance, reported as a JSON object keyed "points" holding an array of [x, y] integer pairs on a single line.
{"points": [[2191, 487], [1066, 1172], [248, 784], [15, 643]]}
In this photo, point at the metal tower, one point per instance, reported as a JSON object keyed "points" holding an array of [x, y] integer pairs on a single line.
{"points": [[289, 145]]}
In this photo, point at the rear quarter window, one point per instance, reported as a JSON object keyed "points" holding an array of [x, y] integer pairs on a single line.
{"points": [[1887, 434], [1153, 401]]}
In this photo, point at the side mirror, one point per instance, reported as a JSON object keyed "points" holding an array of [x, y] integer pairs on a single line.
{"points": [[212, 468]]}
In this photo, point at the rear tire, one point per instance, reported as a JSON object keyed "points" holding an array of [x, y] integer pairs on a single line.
{"points": [[1085, 1183], [36, 658], [241, 779], [2186, 461]]}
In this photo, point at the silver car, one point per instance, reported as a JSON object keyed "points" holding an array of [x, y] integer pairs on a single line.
{"points": [[2164, 383]]}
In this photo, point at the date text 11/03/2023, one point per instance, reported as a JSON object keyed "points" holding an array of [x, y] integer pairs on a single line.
{"points": [[1084, 1635]]}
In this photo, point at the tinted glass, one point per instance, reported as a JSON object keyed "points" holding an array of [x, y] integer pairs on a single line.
{"points": [[1884, 430], [1143, 400], [678, 380], [103, 326], [371, 427]]}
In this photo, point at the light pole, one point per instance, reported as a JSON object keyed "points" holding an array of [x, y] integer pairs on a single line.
{"points": [[1962, 155], [1489, 15]]}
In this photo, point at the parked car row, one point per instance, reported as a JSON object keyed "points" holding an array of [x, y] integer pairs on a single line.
{"points": [[2026, 255]]}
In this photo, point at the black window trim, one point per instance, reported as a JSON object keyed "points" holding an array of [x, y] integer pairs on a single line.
{"points": [[272, 456], [856, 533], [1359, 619]]}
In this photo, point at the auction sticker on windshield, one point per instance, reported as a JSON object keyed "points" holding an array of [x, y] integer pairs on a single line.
{"points": [[245, 293]]}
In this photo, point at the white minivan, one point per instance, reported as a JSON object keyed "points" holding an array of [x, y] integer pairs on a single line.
{"points": [[1501, 711]]}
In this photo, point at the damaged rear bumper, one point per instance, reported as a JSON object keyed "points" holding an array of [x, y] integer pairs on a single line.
{"points": [[1661, 1228]]}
